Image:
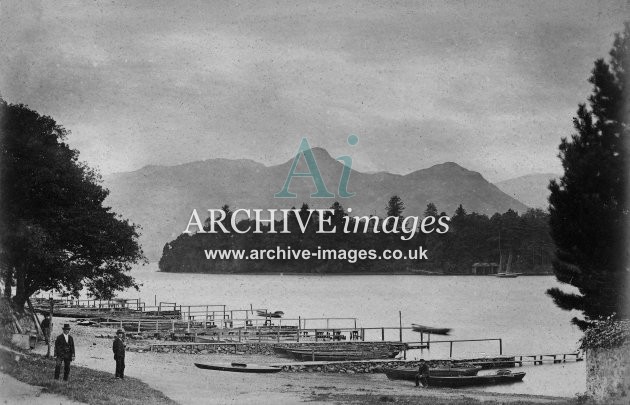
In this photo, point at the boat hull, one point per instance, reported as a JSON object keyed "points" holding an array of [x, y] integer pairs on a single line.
{"points": [[429, 329], [466, 381], [310, 355], [409, 374], [508, 275], [239, 368]]}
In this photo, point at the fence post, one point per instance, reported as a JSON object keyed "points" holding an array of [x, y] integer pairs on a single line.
{"points": [[450, 355], [400, 324], [383, 334], [138, 326], [500, 346]]}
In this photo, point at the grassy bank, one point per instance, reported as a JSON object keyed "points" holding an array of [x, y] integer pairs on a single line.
{"points": [[84, 385]]}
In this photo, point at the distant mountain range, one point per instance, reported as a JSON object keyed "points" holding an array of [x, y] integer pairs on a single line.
{"points": [[161, 198], [532, 189]]}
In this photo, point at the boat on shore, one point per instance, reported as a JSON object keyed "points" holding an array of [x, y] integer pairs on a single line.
{"points": [[501, 377], [239, 367], [409, 374]]}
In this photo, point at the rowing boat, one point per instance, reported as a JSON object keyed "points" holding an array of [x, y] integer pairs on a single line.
{"points": [[313, 355], [410, 373], [429, 329], [501, 377], [239, 367]]}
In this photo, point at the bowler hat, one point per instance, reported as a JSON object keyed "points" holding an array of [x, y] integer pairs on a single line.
{"points": [[119, 331], [66, 326]]}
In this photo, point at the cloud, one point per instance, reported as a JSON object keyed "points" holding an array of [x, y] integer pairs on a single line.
{"points": [[492, 87]]}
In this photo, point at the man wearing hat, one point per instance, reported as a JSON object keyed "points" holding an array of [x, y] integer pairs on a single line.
{"points": [[423, 374], [64, 351], [119, 354]]}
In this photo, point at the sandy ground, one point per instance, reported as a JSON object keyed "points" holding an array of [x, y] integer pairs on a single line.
{"points": [[177, 377]]}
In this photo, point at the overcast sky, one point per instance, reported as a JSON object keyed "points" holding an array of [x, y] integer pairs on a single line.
{"points": [[490, 85]]}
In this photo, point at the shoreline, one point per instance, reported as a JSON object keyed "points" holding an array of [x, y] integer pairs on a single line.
{"points": [[355, 274], [176, 376]]}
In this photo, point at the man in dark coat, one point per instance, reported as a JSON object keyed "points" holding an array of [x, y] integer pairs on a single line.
{"points": [[46, 327], [64, 352], [119, 354], [423, 374]]}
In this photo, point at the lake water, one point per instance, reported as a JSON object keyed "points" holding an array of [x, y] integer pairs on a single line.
{"points": [[475, 307]]}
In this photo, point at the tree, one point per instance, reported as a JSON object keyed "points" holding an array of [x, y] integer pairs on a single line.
{"points": [[55, 233], [431, 210], [589, 213], [460, 212], [395, 207]]}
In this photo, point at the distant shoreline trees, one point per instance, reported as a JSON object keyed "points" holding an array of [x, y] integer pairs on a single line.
{"points": [[55, 233], [590, 215], [471, 238]]}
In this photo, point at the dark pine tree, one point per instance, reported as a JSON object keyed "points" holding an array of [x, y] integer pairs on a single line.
{"points": [[589, 213], [395, 207], [431, 210]]}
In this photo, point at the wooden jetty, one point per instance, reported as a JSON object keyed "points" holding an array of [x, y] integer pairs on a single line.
{"points": [[538, 359]]}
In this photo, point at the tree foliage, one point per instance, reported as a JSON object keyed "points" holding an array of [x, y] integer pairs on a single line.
{"points": [[589, 204], [55, 232], [395, 207]]}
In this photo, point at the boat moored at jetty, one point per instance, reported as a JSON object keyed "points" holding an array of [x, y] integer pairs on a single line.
{"points": [[340, 355]]}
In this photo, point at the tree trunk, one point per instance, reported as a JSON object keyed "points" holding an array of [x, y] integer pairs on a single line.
{"points": [[21, 293], [8, 282]]}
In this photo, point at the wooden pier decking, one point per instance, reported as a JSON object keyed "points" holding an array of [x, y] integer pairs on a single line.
{"points": [[217, 324], [538, 359]]}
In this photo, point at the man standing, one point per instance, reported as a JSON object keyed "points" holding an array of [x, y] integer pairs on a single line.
{"points": [[119, 354], [423, 374], [46, 327], [64, 352]]}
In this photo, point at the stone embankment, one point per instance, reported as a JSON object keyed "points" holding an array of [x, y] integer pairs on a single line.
{"points": [[353, 367], [254, 347]]}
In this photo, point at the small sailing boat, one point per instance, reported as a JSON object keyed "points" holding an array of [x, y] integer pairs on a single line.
{"points": [[508, 273]]}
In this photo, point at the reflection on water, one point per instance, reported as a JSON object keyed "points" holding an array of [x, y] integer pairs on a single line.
{"points": [[515, 310], [565, 380]]}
